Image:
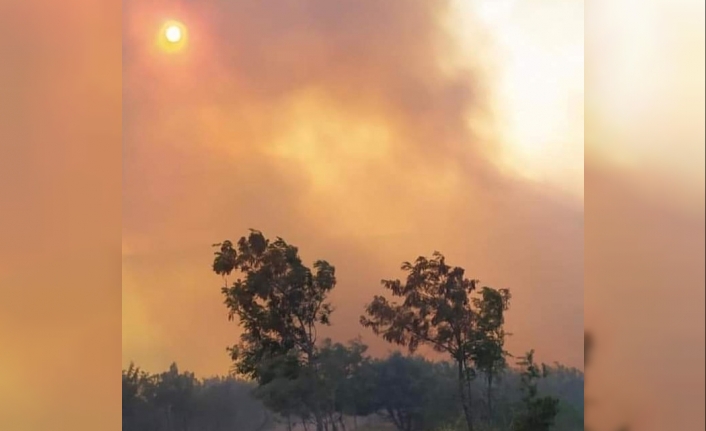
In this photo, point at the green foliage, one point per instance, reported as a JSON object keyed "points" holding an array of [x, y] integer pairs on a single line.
{"points": [[341, 386], [436, 308], [410, 387], [290, 396], [136, 392], [413, 393], [489, 355], [344, 379], [539, 413], [278, 303], [177, 401]]}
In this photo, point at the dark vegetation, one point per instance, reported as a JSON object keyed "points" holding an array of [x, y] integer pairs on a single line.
{"points": [[288, 378]]}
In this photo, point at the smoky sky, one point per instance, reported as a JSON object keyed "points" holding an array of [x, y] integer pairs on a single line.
{"points": [[347, 128]]}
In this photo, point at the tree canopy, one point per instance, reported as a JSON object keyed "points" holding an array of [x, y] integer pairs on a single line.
{"points": [[278, 302], [435, 306], [294, 377]]}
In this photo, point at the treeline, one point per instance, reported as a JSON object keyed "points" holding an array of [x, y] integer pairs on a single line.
{"points": [[406, 392], [178, 401], [280, 304]]}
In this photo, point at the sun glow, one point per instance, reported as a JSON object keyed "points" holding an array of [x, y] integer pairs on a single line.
{"points": [[172, 36]]}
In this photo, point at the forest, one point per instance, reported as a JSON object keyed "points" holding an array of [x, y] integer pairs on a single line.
{"points": [[285, 378]]}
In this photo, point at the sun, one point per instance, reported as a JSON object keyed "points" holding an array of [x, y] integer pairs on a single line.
{"points": [[172, 37], [173, 33]]}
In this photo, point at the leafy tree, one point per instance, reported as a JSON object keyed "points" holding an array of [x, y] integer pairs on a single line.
{"points": [[406, 392], [489, 354], [175, 396], [538, 413], [131, 389], [289, 396], [178, 401], [135, 404], [361, 390], [350, 384], [279, 304], [340, 368], [436, 309], [340, 387]]}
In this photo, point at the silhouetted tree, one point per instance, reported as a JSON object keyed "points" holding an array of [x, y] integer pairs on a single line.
{"points": [[339, 376], [538, 413], [489, 348], [413, 393], [135, 403], [436, 309], [279, 304], [178, 401], [417, 391]]}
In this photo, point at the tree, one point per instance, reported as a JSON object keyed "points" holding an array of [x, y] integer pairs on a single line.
{"points": [[361, 390], [489, 353], [278, 303], [175, 396], [291, 396], [538, 412], [411, 391], [177, 401], [135, 403], [436, 309], [339, 375]]}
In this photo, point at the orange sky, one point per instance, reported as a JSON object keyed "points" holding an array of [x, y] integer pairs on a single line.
{"points": [[644, 261], [60, 160], [496, 154], [366, 133]]}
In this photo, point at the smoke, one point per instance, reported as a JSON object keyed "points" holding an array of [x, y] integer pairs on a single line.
{"points": [[356, 130]]}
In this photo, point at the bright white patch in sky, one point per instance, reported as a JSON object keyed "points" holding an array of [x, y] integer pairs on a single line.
{"points": [[537, 86]]}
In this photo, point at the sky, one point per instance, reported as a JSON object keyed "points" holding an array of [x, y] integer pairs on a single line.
{"points": [[60, 164], [366, 133], [644, 270]]}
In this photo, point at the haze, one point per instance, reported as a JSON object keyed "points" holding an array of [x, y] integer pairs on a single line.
{"points": [[366, 133]]}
